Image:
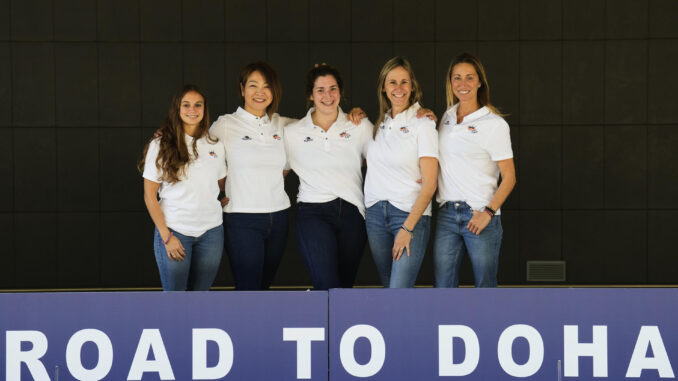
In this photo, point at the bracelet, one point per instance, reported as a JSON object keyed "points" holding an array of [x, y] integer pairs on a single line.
{"points": [[168, 238], [406, 229], [490, 210]]}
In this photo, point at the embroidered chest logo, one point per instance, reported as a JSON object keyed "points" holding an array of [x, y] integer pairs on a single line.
{"points": [[404, 129], [246, 137], [308, 139], [472, 129], [345, 135], [381, 126], [447, 122], [276, 136], [213, 154]]}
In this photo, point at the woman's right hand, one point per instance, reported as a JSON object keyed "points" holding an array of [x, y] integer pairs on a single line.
{"points": [[224, 201], [175, 250]]}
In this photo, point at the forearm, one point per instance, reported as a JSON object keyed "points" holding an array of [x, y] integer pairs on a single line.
{"points": [[429, 183], [508, 182], [420, 205], [505, 188], [156, 214]]}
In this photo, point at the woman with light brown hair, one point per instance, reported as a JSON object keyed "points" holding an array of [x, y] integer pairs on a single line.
{"points": [[402, 170], [475, 149]]}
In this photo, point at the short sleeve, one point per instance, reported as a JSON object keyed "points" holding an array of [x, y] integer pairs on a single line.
{"points": [[218, 130], [427, 138], [151, 172], [499, 143]]}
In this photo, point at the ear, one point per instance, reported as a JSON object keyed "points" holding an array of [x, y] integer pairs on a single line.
{"points": [[242, 91]]}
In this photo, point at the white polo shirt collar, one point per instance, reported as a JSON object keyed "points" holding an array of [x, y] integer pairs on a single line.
{"points": [[310, 126], [452, 115], [252, 119]]}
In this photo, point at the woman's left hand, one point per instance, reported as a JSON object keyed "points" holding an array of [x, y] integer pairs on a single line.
{"points": [[355, 115], [478, 222], [426, 113], [401, 243]]}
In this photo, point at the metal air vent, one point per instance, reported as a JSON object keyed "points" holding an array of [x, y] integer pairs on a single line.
{"points": [[546, 271]]}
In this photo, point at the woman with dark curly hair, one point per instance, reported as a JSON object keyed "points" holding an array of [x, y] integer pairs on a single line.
{"points": [[184, 166]]}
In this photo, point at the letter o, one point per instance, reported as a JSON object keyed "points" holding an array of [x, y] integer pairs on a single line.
{"points": [[74, 348], [378, 349], [536, 350]]}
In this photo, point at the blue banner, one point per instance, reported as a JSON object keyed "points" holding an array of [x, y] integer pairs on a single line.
{"points": [[168, 336], [503, 334], [375, 334]]}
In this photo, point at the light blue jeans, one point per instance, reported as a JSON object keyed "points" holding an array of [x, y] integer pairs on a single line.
{"points": [[197, 270], [383, 222], [453, 240]]}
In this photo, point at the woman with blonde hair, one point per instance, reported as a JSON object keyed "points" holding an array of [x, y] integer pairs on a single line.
{"points": [[475, 149], [402, 170]]}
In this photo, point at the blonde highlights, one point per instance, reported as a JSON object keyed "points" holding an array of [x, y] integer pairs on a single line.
{"points": [[483, 91], [384, 103]]}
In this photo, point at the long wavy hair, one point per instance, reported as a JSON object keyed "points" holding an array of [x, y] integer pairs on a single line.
{"points": [[384, 103], [483, 91], [174, 155]]}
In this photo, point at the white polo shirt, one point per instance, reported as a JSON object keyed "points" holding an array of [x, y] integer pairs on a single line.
{"points": [[190, 206], [393, 159], [329, 163], [255, 156], [468, 155]]}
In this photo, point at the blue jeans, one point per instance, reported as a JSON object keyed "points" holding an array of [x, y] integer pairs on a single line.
{"points": [[453, 239], [383, 222], [197, 270], [255, 243], [331, 237]]}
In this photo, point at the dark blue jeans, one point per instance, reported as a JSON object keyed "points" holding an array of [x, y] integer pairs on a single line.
{"points": [[331, 237], [197, 270], [255, 243]]}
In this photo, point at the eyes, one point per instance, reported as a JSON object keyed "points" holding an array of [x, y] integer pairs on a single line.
{"points": [[395, 83], [469, 77], [254, 86], [322, 90], [188, 105]]}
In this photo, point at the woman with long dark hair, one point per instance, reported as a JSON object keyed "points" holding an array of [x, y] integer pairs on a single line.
{"points": [[475, 149], [183, 166]]}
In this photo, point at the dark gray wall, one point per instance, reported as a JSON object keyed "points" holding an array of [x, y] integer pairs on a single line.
{"points": [[589, 86]]}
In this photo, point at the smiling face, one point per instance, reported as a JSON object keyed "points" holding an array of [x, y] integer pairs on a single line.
{"points": [[465, 82], [191, 110], [326, 94], [257, 94], [398, 87]]}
